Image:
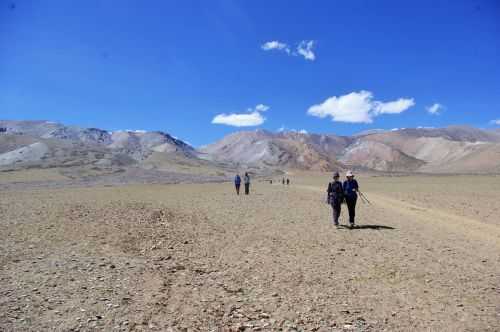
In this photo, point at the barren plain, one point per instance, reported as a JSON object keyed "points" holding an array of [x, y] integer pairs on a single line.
{"points": [[196, 257]]}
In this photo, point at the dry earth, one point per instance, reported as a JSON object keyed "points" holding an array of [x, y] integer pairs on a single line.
{"points": [[191, 257]]}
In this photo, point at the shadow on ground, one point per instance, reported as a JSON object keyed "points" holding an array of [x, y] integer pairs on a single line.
{"points": [[376, 227]]}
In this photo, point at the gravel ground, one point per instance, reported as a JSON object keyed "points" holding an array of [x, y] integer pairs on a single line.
{"points": [[196, 257]]}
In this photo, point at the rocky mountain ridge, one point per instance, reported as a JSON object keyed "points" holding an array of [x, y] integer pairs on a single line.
{"points": [[454, 149]]}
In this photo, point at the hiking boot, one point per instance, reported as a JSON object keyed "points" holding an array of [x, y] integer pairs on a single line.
{"points": [[351, 226]]}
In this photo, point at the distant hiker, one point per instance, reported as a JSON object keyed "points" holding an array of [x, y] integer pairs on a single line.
{"points": [[237, 183], [287, 182], [335, 197], [246, 179], [270, 181], [351, 195], [283, 181]]}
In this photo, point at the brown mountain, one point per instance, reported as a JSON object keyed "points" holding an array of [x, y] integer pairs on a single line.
{"points": [[279, 150], [456, 149]]}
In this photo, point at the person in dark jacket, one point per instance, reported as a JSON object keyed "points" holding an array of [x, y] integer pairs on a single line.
{"points": [[335, 197], [246, 180], [237, 183], [351, 188]]}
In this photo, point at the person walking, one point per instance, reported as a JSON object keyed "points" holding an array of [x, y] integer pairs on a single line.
{"points": [[283, 181], [237, 183], [287, 181], [335, 197], [246, 180], [351, 188]]}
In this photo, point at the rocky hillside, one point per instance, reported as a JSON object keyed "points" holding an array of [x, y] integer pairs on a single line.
{"points": [[48, 144], [454, 149], [281, 150]]}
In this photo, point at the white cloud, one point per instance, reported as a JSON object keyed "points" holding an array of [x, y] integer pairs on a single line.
{"points": [[495, 122], [358, 107], [393, 107], [261, 108], [435, 109], [303, 131], [239, 120], [253, 118], [305, 48], [275, 45]]}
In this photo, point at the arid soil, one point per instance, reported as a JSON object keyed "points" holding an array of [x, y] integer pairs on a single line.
{"points": [[196, 257]]}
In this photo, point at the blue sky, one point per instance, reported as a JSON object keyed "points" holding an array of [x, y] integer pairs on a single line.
{"points": [[176, 65]]}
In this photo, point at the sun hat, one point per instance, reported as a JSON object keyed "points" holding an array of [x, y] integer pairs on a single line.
{"points": [[349, 173], [336, 175]]}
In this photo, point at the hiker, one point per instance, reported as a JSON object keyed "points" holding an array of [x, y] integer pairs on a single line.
{"points": [[246, 179], [287, 182], [283, 181], [351, 195], [271, 181], [237, 183], [335, 197]]}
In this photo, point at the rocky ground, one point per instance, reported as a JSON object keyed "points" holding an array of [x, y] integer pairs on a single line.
{"points": [[196, 257]]}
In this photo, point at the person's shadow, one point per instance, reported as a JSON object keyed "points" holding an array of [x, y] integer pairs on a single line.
{"points": [[375, 227]]}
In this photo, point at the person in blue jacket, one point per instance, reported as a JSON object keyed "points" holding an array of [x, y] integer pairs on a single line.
{"points": [[237, 183], [351, 188]]}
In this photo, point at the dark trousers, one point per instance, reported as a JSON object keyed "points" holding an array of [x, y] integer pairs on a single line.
{"points": [[336, 206], [247, 188], [351, 206], [237, 186]]}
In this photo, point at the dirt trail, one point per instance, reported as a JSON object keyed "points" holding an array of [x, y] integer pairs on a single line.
{"points": [[455, 223], [198, 257], [437, 218]]}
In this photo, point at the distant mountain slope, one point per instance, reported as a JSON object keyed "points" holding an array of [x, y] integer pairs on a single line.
{"points": [[379, 156], [437, 150], [281, 150], [450, 149], [454, 149], [21, 144]]}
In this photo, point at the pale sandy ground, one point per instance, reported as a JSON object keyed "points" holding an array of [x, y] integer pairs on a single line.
{"points": [[197, 257]]}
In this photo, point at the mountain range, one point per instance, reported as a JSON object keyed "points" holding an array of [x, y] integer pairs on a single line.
{"points": [[454, 149]]}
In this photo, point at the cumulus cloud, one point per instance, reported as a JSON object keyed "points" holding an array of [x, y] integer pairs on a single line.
{"points": [[358, 107], [393, 107], [275, 45], [495, 122], [435, 109], [305, 48], [253, 118], [239, 120], [303, 131]]}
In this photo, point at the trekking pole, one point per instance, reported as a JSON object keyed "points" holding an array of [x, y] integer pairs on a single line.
{"points": [[364, 197]]}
